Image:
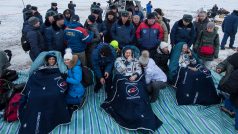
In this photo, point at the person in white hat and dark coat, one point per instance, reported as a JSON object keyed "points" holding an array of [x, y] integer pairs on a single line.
{"points": [[162, 56], [154, 76]]}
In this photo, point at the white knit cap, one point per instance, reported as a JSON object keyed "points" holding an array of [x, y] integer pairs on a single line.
{"points": [[163, 45], [68, 54], [144, 58]]}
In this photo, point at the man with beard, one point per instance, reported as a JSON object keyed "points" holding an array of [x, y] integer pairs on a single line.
{"points": [[201, 22]]}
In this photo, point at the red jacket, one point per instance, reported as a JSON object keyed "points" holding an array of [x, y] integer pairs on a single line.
{"points": [[149, 36]]}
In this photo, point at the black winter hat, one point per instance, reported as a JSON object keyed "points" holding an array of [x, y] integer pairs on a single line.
{"points": [[53, 4], [28, 6], [74, 18], [49, 55], [106, 51], [130, 10], [49, 13], [124, 14], [113, 7], [92, 18], [159, 11], [99, 4], [34, 8], [187, 17], [58, 17], [33, 20], [96, 11], [151, 16]]}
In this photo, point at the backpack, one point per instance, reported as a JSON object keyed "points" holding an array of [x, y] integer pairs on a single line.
{"points": [[25, 43], [88, 76], [6, 90], [10, 75], [11, 111]]}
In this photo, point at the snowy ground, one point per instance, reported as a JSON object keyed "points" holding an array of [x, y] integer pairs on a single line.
{"points": [[11, 19]]}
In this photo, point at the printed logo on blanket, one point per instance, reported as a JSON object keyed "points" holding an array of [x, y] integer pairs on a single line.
{"points": [[132, 91], [61, 83]]}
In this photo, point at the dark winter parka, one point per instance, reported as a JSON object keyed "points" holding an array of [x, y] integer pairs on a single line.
{"points": [[182, 33], [123, 33], [230, 23], [108, 24], [35, 39], [54, 38]]}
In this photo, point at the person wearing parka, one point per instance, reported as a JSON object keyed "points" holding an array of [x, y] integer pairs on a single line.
{"points": [[54, 35], [159, 19], [74, 78], [76, 37], [208, 38], [138, 12], [183, 31], [34, 37], [123, 30], [229, 27], [230, 66], [102, 58], [37, 14], [200, 23], [108, 22], [149, 35], [53, 8]]}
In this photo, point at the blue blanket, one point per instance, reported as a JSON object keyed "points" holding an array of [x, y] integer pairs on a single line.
{"points": [[130, 106], [43, 106]]}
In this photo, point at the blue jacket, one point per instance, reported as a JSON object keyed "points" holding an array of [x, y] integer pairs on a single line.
{"points": [[54, 38], [230, 23], [74, 79], [99, 62], [124, 34], [36, 40], [148, 8], [77, 37], [181, 33]]}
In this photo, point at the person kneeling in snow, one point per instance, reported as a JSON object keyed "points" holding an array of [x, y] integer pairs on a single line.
{"points": [[154, 76], [76, 90], [229, 85]]}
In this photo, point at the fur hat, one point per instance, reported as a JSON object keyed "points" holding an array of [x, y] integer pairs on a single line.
{"points": [[187, 17], [34, 8], [68, 54], [58, 17], [74, 18], [151, 16], [144, 58], [92, 18], [124, 14], [210, 25], [49, 13], [159, 11], [33, 20], [53, 4]]}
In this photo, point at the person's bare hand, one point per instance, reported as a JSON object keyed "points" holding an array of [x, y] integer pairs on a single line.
{"points": [[106, 75], [102, 81], [133, 78], [218, 70]]}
